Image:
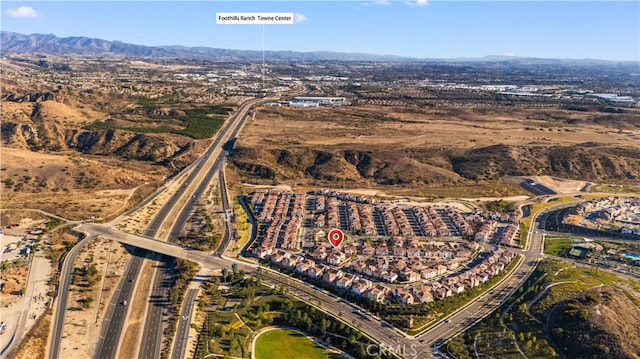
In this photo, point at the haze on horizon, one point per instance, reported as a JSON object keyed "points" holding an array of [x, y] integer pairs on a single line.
{"points": [[418, 29]]}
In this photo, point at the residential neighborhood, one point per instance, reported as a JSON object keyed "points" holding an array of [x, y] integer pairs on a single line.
{"points": [[612, 214], [394, 252]]}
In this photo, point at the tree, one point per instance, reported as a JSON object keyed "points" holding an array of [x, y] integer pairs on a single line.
{"points": [[523, 308], [86, 302], [352, 339], [362, 351], [92, 270]]}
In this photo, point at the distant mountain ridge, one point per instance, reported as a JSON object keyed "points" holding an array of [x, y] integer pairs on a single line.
{"points": [[81, 45]]}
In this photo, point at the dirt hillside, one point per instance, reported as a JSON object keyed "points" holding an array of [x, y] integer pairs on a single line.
{"points": [[599, 323]]}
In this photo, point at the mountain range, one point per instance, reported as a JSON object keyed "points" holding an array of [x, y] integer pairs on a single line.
{"points": [[81, 45]]}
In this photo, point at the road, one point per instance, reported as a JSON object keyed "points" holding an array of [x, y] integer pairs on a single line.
{"points": [[119, 308], [210, 164], [151, 339], [379, 331], [182, 332], [224, 199], [193, 171], [536, 187], [64, 283]]}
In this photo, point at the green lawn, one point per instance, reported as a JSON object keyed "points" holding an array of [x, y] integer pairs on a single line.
{"points": [[281, 343], [556, 246]]}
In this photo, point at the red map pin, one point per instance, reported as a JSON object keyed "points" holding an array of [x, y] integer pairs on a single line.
{"points": [[335, 237]]}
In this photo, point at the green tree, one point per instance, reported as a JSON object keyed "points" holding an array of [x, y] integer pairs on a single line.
{"points": [[92, 270]]}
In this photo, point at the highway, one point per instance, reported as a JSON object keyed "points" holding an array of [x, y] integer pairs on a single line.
{"points": [[182, 332], [213, 162], [210, 164], [118, 309], [224, 199], [421, 345], [193, 171]]}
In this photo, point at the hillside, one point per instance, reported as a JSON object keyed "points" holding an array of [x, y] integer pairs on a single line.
{"points": [[41, 123], [587, 161], [598, 323], [385, 146], [82, 45], [561, 310], [593, 162], [80, 149]]}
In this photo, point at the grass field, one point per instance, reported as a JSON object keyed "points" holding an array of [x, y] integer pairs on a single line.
{"points": [[609, 188], [577, 279], [556, 246], [281, 343]]}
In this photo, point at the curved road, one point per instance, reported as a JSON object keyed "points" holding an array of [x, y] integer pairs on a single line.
{"points": [[413, 347], [115, 317], [419, 346]]}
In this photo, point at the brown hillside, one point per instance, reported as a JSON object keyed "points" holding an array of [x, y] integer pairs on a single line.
{"points": [[388, 167], [599, 323], [342, 166], [367, 145], [587, 161]]}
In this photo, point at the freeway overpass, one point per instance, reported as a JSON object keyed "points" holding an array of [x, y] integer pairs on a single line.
{"points": [[419, 346], [167, 248]]}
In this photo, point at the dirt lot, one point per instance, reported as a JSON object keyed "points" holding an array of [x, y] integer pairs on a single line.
{"points": [[440, 153], [35, 344], [70, 185], [375, 127], [15, 277], [12, 280], [561, 185]]}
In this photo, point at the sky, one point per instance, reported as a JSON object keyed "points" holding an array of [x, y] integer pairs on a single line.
{"points": [[607, 30]]}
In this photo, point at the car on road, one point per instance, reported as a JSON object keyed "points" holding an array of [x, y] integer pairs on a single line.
{"points": [[447, 320], [124, 302]]}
